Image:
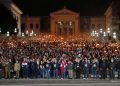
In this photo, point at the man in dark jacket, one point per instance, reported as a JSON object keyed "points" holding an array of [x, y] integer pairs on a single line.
{"points": [[34, 68], [112, 68], [78, 69]]}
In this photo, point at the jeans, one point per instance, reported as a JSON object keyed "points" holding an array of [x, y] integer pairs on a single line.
{"points": [[55, 73], [25, 72], [47, 73], [42, 73], [0, 73], [104, 73], [94, 73], [112, 74], [63, 74], [86, 72]]}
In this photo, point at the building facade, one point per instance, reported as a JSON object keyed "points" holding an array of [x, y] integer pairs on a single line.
{"points": [[90, 23], [17, 15], [65, 22], [112, 15], [16, 12], [31, 24]]}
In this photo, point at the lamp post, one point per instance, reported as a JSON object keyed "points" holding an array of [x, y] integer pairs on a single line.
{"points": [[108, 30], [114, 35], [0, 31], [15, 31], [8, 33], [23, 34], [104, 35], [101, 30], [108, 34], [27, 32], [31, 34]]}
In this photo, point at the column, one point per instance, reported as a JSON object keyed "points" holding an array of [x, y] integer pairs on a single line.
{"points": [[68, 28], [52, 26], [19, 25], [76, 27]]}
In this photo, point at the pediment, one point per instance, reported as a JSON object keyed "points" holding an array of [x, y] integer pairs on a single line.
{"points": [[64, 11]]}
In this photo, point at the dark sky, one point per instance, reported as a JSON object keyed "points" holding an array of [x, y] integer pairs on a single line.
{"points": [[44, 7]]}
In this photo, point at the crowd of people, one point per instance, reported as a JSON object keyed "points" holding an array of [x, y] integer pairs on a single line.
{"points": [[58, 59]]}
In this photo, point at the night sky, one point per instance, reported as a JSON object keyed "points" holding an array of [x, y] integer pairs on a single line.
{"points": [[44, 7]]}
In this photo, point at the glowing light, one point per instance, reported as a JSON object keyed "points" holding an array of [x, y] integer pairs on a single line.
{"points": [[23, 34], [15, 30], [101, 30], [0, 30], [97, 34], [27, 32], [8, 33], [104, 34], [108, 30], [114, 35]]}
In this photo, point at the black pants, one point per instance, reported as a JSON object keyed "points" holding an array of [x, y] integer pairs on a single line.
{"points": [[78, 73], [104, 73], [118, 74]]}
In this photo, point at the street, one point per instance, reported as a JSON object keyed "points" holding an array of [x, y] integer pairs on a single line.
{"points": [[57, 82]]}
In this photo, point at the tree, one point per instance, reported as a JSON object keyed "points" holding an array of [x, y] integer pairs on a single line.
{"points": [[7, 22]]}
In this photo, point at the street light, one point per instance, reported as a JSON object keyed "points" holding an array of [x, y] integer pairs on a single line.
{"points": [[27, 32], [108, 30], [8, 33], [32, 32], [97, 34], [101, 31], [15, 30], [104, 34], [23, 34], [0, 30], [114, 35], [93, 33]]}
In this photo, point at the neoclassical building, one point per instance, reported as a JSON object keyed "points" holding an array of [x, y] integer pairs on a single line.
{"points": [[31, 24], [112, 16], [17, 15], [16, 12], [64, 22]]}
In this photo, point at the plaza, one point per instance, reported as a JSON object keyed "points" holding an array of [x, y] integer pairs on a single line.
{"points": [[74, 50]]}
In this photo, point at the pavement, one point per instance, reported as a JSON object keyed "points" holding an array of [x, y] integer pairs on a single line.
{"points": [[58, 82]]}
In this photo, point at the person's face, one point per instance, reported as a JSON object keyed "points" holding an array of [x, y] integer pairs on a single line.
{"points": [[16, 61]]}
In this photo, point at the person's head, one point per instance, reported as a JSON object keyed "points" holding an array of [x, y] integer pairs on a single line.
{"points": [[55, 61], [112, 60], [24, 59], [16, 61], [48, 61], [62, 61], [33, 60], [41, 62], [9, 60]]}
